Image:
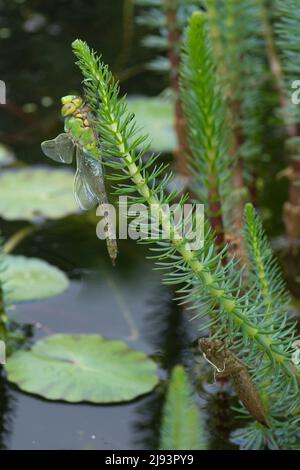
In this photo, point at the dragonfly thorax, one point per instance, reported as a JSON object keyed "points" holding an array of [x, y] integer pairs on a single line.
{"points": [[77, 121]]}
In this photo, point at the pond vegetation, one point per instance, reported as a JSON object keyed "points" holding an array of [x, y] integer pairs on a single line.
{"points": [[217, 365]]}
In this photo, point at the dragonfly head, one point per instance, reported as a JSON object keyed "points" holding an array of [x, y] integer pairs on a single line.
{"points": [[70, 104]]}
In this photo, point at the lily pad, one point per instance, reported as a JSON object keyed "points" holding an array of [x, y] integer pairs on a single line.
{"points": [[31, 278], [6, 156], [77, 368], [32, 194], [156, 117]]}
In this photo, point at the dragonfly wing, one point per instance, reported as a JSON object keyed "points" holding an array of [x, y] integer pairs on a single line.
{"points": [[49, 148], [60, 149], [95, 179], [93, 173], [83, 193], [65, 148]]}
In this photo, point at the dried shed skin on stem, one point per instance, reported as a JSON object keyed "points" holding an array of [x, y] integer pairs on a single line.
{"points": [[227, 365]]}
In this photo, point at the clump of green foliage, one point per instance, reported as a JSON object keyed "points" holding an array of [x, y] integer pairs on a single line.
{"points": [[165, 21], [246, 309], [238, 45], [205, 113]]}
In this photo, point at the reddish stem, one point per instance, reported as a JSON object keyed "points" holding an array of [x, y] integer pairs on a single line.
{"points": [[174, 39]]}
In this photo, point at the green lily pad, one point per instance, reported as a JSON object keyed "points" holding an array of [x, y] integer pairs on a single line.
{"points": [[32, 194], [156, 117], [31, 278], [6, 156], [77, 368]]}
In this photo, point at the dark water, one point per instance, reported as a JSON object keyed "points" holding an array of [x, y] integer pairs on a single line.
{"points": [[127, 303], [99, 301]]}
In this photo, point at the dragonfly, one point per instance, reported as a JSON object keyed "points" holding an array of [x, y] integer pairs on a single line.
{"points": [[79, 138]]}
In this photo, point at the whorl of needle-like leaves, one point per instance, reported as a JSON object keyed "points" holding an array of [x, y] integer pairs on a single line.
{"points": [[206, 115], [237, 35], [278, 396]]}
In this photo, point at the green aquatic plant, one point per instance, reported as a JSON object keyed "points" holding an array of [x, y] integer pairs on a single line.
{"points": [[287, 72], [182, 425], [43, 194], [77, 368], [212, 282], [238, 48], [237, 36], [206, 118], [200, 269], [279, 397], [167, 20], [28, 279]]}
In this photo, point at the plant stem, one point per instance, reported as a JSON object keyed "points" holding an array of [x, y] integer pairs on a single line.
{"points": [[272, 55], [230, 82], [128, 30], [174, 39], [17, 238]]}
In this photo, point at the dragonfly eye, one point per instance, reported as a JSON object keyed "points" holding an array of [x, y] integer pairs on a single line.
{"points": [[78, 102], [68, 109]]}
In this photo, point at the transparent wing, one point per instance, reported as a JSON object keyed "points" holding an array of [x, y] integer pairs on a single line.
{"points": [[94, 177], [60, 149], [65, 148], [83, 193]]}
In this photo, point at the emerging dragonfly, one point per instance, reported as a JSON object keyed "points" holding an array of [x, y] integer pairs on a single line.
{"points": [[79, 136]]}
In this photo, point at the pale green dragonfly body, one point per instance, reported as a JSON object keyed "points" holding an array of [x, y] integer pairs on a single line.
{"points": [[80, 138]]}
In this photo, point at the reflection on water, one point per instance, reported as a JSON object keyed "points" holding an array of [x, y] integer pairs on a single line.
{"points": [[220, 423]]}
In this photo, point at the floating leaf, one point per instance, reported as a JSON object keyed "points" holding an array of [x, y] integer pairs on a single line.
{"points": [[156, 117], [31, 279], [31, 194], [78, 368], [6, 156], [181, 425]]}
